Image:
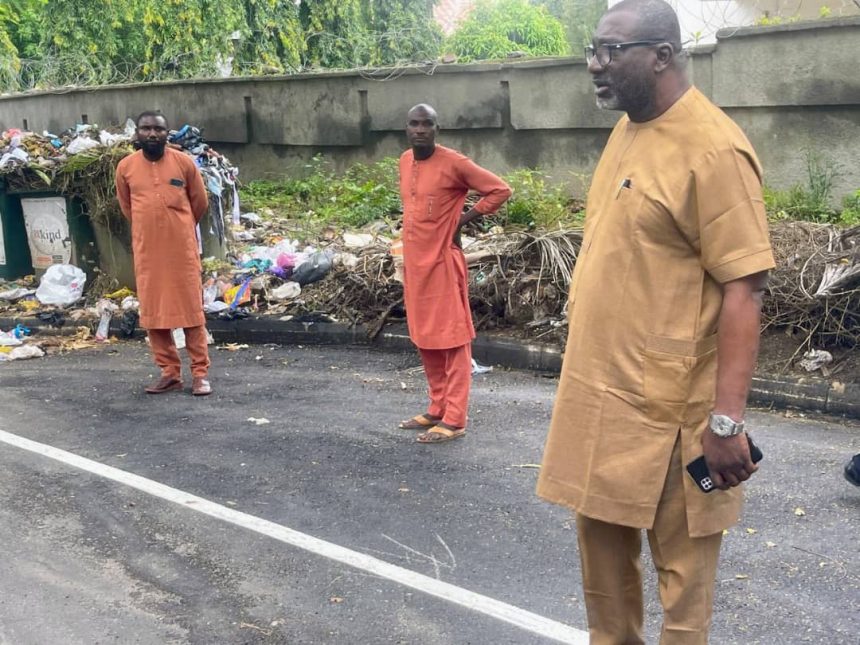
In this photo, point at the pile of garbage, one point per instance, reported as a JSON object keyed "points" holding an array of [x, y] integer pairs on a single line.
{"points": [[48, 152], [81, 162]]}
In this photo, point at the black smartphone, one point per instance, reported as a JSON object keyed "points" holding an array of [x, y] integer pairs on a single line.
{"points": [[698, 469]]}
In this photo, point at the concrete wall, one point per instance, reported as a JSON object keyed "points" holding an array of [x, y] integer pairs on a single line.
{"points": [[791, 88]]}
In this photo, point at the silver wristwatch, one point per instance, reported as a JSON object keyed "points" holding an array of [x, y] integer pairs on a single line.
{"points": [[724, 426]]}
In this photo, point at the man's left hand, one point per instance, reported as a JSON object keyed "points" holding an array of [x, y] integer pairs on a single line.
{"points": [[728, 459]]}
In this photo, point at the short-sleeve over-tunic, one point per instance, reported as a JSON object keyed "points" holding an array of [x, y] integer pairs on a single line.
{"points": [[674, 210]]}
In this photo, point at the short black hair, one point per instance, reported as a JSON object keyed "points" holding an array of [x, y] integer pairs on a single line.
{"points": [[151, 113], [657, 20]]}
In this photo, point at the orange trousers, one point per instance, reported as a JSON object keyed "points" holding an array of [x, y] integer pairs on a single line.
{"points": [[167, 358], [686, 570], [449, 377]]}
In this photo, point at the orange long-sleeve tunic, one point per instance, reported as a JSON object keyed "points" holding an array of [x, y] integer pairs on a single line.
{"points": [[164, 200], [435, 277]]}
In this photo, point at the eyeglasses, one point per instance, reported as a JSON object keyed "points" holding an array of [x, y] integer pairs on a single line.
{"points": [[605, 54]]}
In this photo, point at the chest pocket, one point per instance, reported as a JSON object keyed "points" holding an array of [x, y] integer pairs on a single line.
{"points": [[174, 197], [427, 209]]}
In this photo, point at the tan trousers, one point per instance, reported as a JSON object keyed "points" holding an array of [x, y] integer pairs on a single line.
{"points": [[612, 573], [167, 358]]}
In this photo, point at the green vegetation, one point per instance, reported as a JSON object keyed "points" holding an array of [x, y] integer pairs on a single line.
{"points": [[537, 203], [579, 18], [370, 192], [851, 209], [47, 43], [365, 193], [812, 202], [495, 29]]}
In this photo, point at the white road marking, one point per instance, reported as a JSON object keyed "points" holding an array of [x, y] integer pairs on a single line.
{"points": [[521, 618]]}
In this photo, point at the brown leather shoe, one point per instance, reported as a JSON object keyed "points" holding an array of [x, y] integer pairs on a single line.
{"points": [[200, 386], [164, 384]]}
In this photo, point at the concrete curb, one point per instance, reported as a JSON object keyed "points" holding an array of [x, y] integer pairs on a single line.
{"points": [[804, 393]]}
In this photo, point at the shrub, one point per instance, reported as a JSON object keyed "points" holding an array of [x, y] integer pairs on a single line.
{"points": [[537, 203], [495, 29]]}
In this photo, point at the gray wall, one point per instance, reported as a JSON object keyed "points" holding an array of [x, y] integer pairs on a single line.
{"points": [[790, 88]]}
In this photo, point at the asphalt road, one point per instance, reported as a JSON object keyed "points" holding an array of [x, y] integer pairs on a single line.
{"points": [[91, 560]]}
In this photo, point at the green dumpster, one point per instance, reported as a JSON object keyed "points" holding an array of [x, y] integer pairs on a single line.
{"points": [[14, 251], [56, 230]]}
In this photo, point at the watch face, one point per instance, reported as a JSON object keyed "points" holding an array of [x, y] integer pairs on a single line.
{"points": [[724, 426]]}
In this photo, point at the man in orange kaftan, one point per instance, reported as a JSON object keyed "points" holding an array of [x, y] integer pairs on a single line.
{"points": [[162, 194], [434, 182]]}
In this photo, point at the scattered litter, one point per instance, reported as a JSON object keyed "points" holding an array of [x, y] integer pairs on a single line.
{"points": [[24, 352], [480, 369], [287, 291], [121, 294], [357, 240], [799, 512], [128, 323], [52, 318], [526, 466], [105, 309], [313, 269], [16, 294], [815, 359], [234, 347], [62, 285], [261, 421]]}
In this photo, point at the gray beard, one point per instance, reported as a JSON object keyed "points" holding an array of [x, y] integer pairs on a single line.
{"points": [[610, 103]]}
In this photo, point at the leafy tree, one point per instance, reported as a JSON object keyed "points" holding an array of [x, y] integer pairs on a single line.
{"points": [[83, 39], [357, 33], [335, 32], [23, 23], [88, 42], [19, 37], [189, 38], [402, 30], [579, 18], [274, 38], [495, 29]]}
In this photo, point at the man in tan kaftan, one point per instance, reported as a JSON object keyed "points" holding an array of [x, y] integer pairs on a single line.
{"points": [[162, 194], [663, 334]]}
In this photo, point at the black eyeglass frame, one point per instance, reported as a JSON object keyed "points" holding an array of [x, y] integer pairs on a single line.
{"points": [[591, 52]]}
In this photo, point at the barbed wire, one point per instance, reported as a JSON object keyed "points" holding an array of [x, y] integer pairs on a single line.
{"points": [[69, 72]]}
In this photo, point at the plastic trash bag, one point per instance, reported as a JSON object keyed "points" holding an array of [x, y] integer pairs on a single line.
{"points": [[287, 291], [105, 309], [313, 269], [25, 351], [129, 323], [62, 285], [477, 368], [80, 144]]}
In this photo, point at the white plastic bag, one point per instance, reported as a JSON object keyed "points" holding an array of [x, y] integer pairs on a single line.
{"points": [[80, 144], [24, 352], [62, 284], [287, 291]]}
